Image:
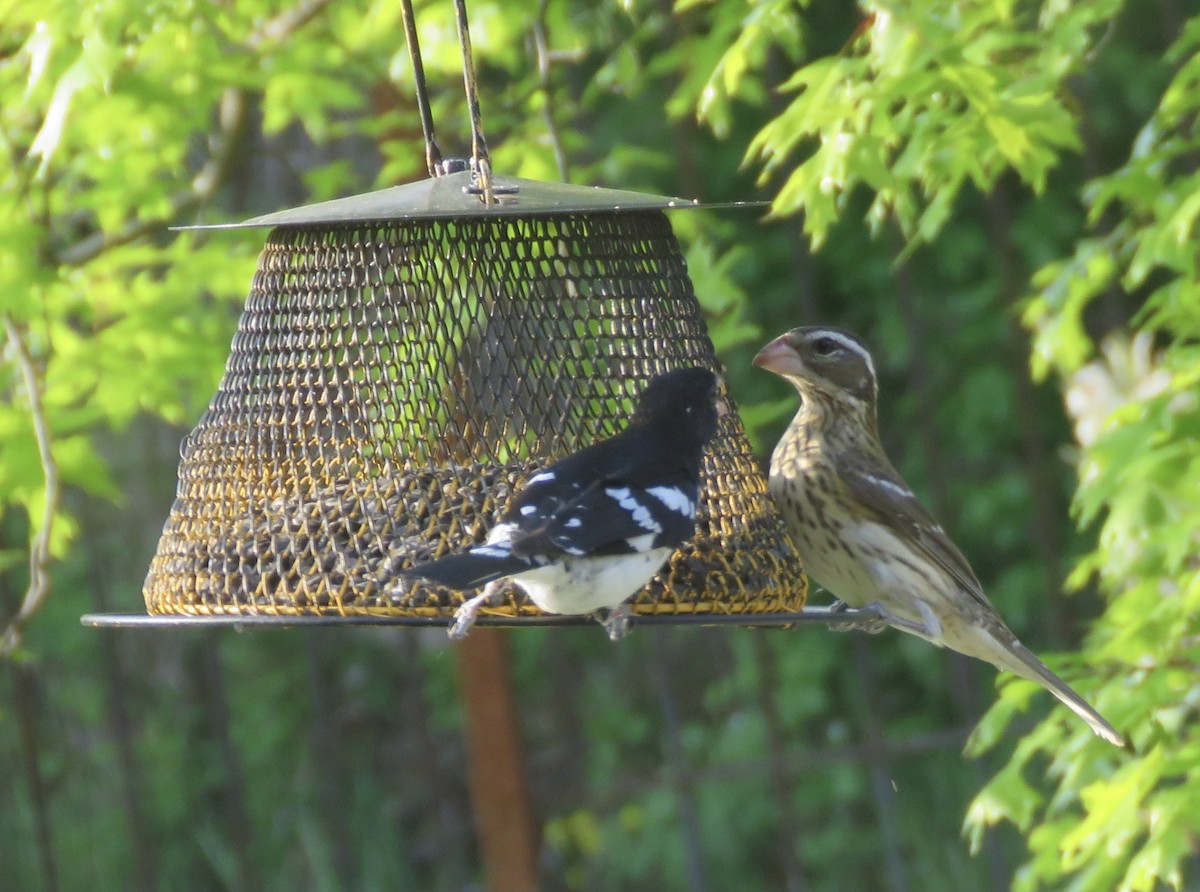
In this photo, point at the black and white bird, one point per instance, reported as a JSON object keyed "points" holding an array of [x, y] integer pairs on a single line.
{"points": [[591, 529], [859, 528]]}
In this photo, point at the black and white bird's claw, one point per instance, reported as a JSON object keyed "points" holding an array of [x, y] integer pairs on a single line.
{"points": [[617, 622], [464, 616], [872, 619], [464, 619]]}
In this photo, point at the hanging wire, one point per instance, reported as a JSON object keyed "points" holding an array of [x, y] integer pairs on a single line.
{"points": [[433, 155], [481, 162]]}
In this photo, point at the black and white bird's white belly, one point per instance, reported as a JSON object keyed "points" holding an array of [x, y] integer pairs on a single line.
{"points": [[585, 584]]}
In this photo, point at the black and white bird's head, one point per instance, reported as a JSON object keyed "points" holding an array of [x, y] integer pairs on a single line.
{"points": [[684, 403], [831, 364]]}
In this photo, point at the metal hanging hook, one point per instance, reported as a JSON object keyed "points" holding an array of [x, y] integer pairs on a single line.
{"points": [[481, 162], [433, 155], [482, 183]]}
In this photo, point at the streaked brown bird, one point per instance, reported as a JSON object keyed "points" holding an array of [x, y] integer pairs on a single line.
{"points": [[861, 532]]}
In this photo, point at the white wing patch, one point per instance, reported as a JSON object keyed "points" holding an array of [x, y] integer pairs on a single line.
{"points": [[639, 512], [674, 499], [573, 523], [540, 477], [898, 488], [501, 534]]}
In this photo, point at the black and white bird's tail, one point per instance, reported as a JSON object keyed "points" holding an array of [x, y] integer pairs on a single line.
{"points": [[471, 569]]}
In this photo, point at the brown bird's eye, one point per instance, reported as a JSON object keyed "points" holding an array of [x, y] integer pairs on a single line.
{"points": [[824, 346]]}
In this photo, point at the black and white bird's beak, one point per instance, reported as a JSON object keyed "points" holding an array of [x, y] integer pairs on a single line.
{"points": [[780, 357]]}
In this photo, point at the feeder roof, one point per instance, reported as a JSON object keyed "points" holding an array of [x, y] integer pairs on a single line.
{"points": [[448, 196]]}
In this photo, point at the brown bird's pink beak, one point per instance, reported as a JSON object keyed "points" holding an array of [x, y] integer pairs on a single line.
{"points": [[779, 357]]}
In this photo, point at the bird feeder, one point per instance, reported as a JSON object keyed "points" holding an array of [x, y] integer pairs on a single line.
{"points": [[406, 360]]}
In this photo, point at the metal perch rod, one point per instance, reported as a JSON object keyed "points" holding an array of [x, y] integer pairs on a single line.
{"points": [[862, 619]]}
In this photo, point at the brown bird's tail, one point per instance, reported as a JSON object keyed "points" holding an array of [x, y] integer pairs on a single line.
{"points": [[1030, 667]]}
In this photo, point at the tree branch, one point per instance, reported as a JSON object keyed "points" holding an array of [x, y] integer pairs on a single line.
{"points": [[541, 42], [39, 550], [285, 24], [225, 147]]}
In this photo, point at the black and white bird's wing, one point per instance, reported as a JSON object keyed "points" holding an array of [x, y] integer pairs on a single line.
{"points": [[563, 512], [607, 516]]}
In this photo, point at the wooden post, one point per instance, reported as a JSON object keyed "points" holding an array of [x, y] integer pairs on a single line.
{"points": [[504, 821]]}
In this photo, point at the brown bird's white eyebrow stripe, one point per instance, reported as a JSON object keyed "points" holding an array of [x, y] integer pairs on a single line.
{"points": [[849, 343]]}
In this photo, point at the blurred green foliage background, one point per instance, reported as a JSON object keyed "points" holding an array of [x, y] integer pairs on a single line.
{"points": [[1002, 197]]}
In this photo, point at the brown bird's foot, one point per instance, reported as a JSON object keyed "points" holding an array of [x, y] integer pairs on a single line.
{"points": [[931, 628], [617, 621], [464, 616], [871, 619], [933, 625]]}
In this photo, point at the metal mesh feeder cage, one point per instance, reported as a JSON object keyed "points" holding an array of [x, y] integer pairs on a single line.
{"points": [[405, 361]]}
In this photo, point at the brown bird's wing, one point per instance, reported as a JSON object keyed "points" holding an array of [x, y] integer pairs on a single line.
{"points": [[894, 505], [889, 498]]}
